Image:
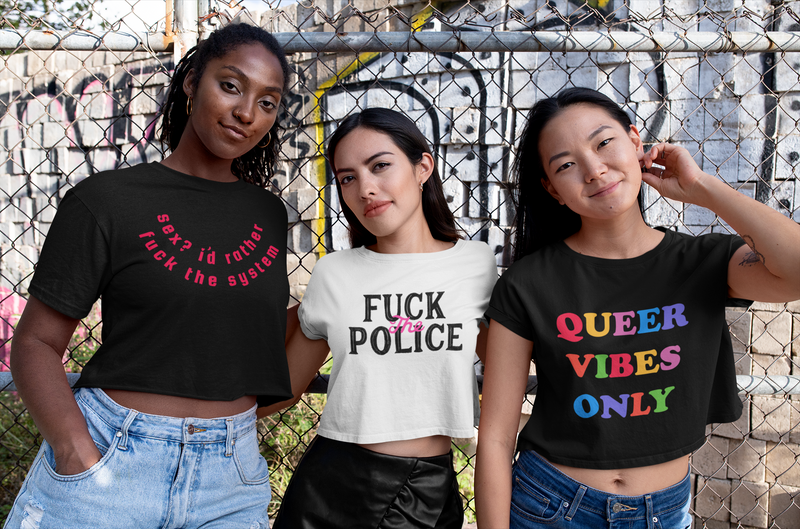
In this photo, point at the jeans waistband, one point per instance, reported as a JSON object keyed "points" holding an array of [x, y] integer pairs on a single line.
{"points": [[613, 507], [177, 429]]}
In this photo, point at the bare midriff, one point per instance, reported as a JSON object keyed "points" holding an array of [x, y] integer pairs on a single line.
{"points": [[171, 406], [630, 481], [434, 445]]}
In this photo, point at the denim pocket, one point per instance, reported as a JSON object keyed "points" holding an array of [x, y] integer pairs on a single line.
{"points": [[533, 502], [105, 438], [253, 468], [49, 462]]}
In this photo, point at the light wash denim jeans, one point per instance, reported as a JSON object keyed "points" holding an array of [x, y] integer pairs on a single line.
{"points": [[156, 472], [543, 496]]}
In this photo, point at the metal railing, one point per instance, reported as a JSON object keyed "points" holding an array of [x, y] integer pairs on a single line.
{"points": [[778, 385]]}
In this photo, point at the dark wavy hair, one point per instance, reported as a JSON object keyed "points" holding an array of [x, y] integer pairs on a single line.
{"points": [[257, 165], [405, 134], [541, 220]]}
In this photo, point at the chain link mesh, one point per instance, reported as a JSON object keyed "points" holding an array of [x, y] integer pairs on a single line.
{"points": [[66, 114]]}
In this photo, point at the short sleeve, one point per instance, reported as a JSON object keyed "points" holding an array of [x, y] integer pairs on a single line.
{"points": [[506, 307], [489, 279], [312, 308], [73, 267], [736, 242]]}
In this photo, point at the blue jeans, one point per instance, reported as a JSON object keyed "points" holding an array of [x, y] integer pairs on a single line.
{"points": [[159, 472], [543, 496]]}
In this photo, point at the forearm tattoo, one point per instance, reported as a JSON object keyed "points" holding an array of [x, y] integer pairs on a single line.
{"points": [[753, 256]]}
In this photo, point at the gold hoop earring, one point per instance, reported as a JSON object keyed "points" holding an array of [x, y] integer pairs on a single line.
{"points": [[189, 107], [269, 139]]}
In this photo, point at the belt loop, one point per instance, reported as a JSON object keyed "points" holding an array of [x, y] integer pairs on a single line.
{"points": [[576, 501], [651, 518], [123, 433], [229, 438]]}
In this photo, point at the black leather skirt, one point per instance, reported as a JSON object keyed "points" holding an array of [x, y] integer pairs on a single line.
{"points": [[344, 486]]}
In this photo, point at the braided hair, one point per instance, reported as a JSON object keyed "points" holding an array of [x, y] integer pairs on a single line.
{"points": [[256, 166]]}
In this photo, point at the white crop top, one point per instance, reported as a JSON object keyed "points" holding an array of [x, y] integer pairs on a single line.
{"points": [[402, 329]]}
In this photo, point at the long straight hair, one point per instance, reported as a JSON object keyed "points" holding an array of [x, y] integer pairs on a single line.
{"points": [[408, 138], [541, 220]]}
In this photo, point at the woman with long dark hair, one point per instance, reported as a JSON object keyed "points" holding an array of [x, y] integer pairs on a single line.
{"points": [[399, 313], [188, 257], [626, 324]]}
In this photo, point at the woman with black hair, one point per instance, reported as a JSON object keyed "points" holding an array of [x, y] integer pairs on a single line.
{"points": [[188, 257], [626, 324], [399, 313]]}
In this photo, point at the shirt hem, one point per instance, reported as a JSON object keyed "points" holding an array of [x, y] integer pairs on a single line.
{"points": [[613, 464], [726, 417], [263, 399], [397, 436]]}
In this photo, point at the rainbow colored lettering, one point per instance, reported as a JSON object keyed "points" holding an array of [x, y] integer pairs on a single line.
{"points": [[573, 328]]}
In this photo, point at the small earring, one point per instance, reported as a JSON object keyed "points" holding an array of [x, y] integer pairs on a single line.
{"points": [[269, 139], [420, 186], [189, 107]]}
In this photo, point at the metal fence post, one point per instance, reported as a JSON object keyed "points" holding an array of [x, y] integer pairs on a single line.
{"points": [[186, 27]]}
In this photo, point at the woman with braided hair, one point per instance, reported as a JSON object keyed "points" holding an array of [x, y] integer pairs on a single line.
{"points": [[188, 258]]}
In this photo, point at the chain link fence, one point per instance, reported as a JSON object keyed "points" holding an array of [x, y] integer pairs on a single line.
{"points": [[81, 85]]}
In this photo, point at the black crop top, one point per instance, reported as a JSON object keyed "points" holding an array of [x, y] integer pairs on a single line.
{"points": [[633, 356], [192, 278]]}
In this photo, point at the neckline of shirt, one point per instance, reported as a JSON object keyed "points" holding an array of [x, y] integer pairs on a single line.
{"points": [[669, 236], [400, 257], [197, 181]]}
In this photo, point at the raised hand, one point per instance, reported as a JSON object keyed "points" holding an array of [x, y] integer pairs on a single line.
{"points": [[680, 176]]}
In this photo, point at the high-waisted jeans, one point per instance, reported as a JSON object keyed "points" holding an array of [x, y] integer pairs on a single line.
{"points": [[156, 471]]}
